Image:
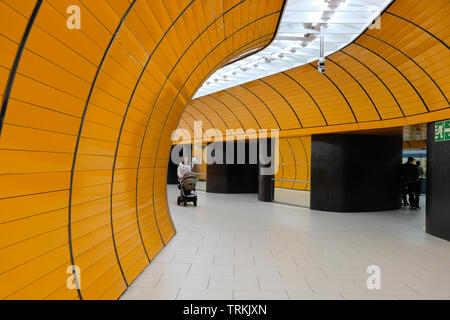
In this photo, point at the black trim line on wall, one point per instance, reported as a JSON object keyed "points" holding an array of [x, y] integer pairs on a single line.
{"points": [[360, 85], [137, 84], [283, 97], [185, 122], [218, 67], [385, 42], [307, 163], [369, 26], [312, 98], [184, 116], [215, 69], [221, 102], [207, 27], [412, 86], [160, 91], [295, 162], [438, 39], [277, 28], [15, 66], [193, 118], [274, 118], [378, 77], [206, 104], [281, 165], [242, 103], [123, 124], [83, 118], [203, 115], [340, 91]]}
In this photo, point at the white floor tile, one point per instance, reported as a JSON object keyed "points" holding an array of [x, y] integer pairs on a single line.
{"points": [[233, 283], [253, 270], [334, 286], [283, 284], [185, 281], [348, 296], [141, 293], [287, 271], [194, 258], [190, 294], [167, 268], [303, 295], [260, 295], [214, 251], [231, 259], [147, 280], [212, 269], [388, 288], [234, 242]]}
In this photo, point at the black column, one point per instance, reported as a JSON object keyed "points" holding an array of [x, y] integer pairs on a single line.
{"points": [[438, 186], [355, 173], [172, 176], [233, 178], [266, 189]]}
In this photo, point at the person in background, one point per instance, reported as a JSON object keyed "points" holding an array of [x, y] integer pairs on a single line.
{"points": [[404, 185], [183, 168], [410, 175], [417, 190]]}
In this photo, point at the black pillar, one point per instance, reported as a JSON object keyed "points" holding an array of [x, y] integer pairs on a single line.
{"points": [[185, 149], [266, 189], [231, 176], [438, 186], [355, 173]]}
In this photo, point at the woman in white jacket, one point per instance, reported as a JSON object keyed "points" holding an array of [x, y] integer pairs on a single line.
{"points": [[183, 168]]}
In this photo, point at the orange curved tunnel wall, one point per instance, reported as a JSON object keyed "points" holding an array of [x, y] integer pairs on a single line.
{"points": [[85, 137], [295, 164], [389, 77]]}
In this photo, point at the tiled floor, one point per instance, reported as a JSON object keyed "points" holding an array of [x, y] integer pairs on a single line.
{"points": [[234, 247]]}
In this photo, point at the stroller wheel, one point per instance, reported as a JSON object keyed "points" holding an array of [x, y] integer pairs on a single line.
{"points": [[185, 204], [178, 201], [195, 202]]}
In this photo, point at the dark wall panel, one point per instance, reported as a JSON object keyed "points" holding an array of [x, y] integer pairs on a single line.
{"points": [[266, 188], [438, 186], [355, 173], [232, 178], [172, 176]]}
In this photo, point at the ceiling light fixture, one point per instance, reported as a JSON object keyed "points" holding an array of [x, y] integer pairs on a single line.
{"points": [[298, 38]]}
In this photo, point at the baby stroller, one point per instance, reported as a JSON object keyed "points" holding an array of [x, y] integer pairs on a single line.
{"points": [[187, 189]]}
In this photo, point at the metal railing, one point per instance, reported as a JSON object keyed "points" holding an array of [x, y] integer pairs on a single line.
{"points": [[296, 181]]}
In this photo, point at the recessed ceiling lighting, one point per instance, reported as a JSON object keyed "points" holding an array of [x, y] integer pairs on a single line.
{"points": [[299, 31]]}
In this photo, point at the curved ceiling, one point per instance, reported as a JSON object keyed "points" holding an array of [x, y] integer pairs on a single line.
{"points": [[393, 76], [298, 39], [87, 118]]}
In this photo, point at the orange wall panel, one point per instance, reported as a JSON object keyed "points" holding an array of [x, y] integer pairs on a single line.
{"points": [[85, 138], [391, 76]]}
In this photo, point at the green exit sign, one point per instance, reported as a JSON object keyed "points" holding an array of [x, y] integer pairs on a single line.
{"points": [[442, 131]]}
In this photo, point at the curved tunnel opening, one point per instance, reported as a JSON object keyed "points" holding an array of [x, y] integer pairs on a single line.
{"points": [[88, 113]]}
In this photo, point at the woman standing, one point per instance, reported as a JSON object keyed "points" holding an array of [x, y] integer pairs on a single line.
{"points": [[183, 168]]}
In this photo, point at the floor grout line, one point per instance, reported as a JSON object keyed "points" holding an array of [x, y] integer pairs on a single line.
{"points": [[313, 243]]}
